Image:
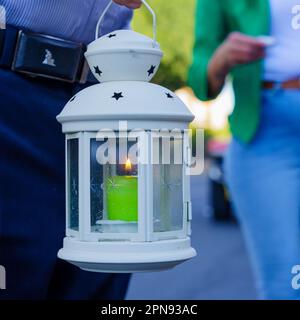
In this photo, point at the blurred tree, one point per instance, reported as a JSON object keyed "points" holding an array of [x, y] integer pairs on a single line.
{"points": [[175, 31]]}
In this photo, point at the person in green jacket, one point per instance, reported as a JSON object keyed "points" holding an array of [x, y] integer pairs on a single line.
{"points": [[257, 42]]}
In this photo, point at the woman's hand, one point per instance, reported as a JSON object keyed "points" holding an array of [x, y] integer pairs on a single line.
{"points": [[132, 4], [237, 49]]}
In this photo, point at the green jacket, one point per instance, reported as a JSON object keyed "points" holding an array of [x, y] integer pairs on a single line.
{"points": [[215, 19]]}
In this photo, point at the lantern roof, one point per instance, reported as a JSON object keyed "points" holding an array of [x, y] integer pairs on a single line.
{"points": [[144, 104], [124, 55]]}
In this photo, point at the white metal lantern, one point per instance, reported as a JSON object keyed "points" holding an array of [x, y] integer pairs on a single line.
{"points": [[127, 210]]}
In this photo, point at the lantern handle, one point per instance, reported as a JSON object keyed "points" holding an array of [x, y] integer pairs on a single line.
{"points": [[107, 8]]}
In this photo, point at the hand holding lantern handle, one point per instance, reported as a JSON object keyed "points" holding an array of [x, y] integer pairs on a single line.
{"points": [[147, 6]]}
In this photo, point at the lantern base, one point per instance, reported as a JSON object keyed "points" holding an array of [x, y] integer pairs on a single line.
{"points": [[126, 257]]}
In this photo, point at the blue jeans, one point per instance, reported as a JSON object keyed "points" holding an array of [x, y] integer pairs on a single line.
{"points": [[32, 197], [264, 181]]}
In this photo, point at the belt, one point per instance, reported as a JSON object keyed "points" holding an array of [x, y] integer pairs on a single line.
{"points": [[39, 55], [290, 84]]}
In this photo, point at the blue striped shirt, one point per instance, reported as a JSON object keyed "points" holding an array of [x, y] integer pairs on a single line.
{"points": [[69, 19]]}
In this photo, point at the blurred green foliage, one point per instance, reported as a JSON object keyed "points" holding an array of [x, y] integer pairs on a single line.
{"points": [[175, 31]]}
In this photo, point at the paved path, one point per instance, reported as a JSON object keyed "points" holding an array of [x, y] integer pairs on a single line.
{"points": [[220, 271]]}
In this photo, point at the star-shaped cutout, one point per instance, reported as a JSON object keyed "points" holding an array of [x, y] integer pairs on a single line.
{"points": [[151, 70], [72, 99], [111, 35], [98, 71], [117, 95], [169, 96]]}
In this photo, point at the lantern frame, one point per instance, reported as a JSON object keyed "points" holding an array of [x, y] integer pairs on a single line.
{"points": [[145, 231]]}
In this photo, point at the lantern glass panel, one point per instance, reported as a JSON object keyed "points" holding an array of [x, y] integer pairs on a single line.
{"points": [[168, 186], [73, 183], [113, 186]]}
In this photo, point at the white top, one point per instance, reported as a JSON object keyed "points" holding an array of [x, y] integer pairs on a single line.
{"points": [[282, 60]]}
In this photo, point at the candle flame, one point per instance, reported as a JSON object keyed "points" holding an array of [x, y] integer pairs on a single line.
{"points": [[128, 165]]}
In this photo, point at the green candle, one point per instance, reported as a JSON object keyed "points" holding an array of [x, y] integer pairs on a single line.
{"points": [[122, 198]]}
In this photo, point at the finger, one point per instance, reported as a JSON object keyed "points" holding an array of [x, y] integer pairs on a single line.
{"points": [[132, 4], [248, 49], [246, 58], [252, 42], [247, 40]]}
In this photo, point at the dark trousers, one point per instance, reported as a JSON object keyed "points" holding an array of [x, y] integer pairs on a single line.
{"points": [[32, 196]]}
